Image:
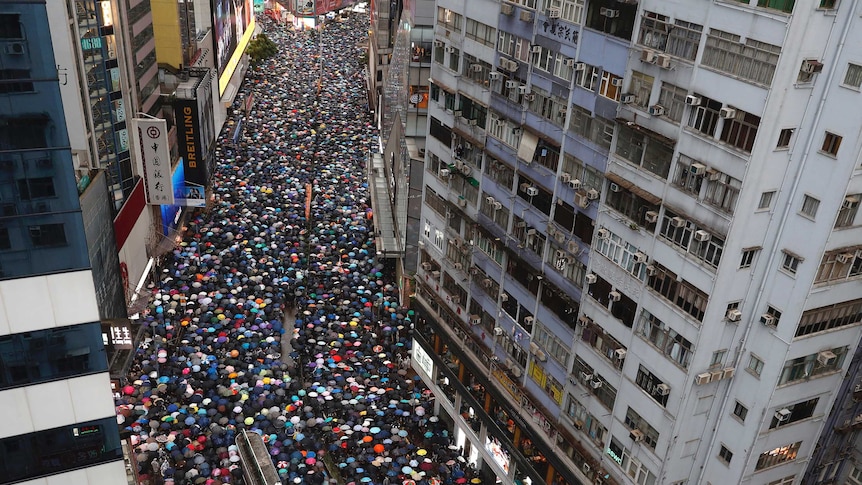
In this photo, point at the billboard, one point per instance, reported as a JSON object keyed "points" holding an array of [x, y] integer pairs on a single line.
{"points": [[189, 141], [152, 139], [233, 24], [309, 8]]}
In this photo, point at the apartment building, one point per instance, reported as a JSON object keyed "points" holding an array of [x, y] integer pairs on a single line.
{"points": [[640, 235], [59, 418]]}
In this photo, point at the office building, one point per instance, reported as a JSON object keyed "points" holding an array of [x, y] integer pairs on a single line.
{"points": [[640, 235], [59, 418]]}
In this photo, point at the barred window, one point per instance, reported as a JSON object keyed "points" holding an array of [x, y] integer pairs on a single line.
{"points": [[644, 151], [853, 76], [480, 32], [751, 60], [556, 348], [826, 318], [570, 10], [513, 46], [477, 71], [680, 293], [457, 294], [741, 130], [605, 393], [622, 253], [641, 86], [490, 247], [777, 456], [635, 421], [650, 383], [685, 179], [665, 339], [547, 156], [672, 98], [704, 118], [569, 266], [803, 368], [722, 191], [839, 264]]}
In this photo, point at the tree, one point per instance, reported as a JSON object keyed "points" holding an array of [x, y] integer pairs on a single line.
{"points": [[261, 48]]}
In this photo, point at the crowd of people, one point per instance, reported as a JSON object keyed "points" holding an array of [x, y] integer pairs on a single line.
{"points": [[274, 314]]}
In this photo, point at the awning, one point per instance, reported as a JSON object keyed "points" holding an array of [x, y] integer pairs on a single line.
{"points": [[527, 148], [633, 188], [387, 238]]}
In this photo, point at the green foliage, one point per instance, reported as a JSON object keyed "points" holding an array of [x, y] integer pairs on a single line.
{"points": [[261, 48]]}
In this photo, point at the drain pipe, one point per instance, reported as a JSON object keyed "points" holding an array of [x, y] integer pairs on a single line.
{"points": [[786, 212]]}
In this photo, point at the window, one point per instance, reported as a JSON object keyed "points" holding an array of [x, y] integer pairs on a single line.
{"points": [[680, 39], [784, 137], [622, 253], [697, 241], [718, 358], [778, 456], [650, 383], [45, 235], [751, 60], [634, 421], [828, 4], [812, 365], [724, 454], [826, 318], [790, 263], [570, 10], [740, 411], [740, 131], [480, 32], [672, 99], [562, 67], [513, 46], [755, 365], [556, 348], [610, 86], [831, 143], [682, 294], [10, 26], [36, 188], [783, 5], [454, 59], [587, 78], [856, 475], [5, 240], [612, 17], [847, 213], [644, 151], [449, 19], [15, 81], [722, 191], [641, 86], [853, 77], [748, 256], [704, 118], [665, 339], [766, 200], [809, 206], [799, 411], [598, 130], [630, 465]]}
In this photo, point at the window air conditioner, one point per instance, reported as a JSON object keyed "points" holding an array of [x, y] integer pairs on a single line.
{"points": [[582, 201], [494, 75], [702, 379], [507, 9], [648, 55], [617, 82], [532, 191], [702, 236], [475, 319], [586, 377], [596, 384], [620, 353], [662, 61], [476, 67], [444, 172], [640, 257], [523, 89], [651, 270], [490, 200], [850, 202], [575, 184], [458, 113], [497, 205], [603, 233], [569, 62], [615, 295], [590, 278], [526, 16], [783, 415], [628, 98], [498, 331], [592, 194], [811, 66], [727, 113], [734, 315], [487, 282], [609, 13], [677, 222], [656, 110], [516, 371], [768, 319], [826, 357], [450, 49], [512, 84], [565, 177], [662, 389], [554, 13], [614, 187], [692, 100], [636, 435], [536, 49], [581, 66], [651, 216], [697, 169], [845, 258], [426, 266], [529, 97], [531, 232], [439, 43], [573, 247]]}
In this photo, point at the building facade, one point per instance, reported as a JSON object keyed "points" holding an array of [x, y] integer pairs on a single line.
{"points": [[60, 422], [635, 262]]}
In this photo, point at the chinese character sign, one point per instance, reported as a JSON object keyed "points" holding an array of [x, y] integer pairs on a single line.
{"points": [[152, 138]]}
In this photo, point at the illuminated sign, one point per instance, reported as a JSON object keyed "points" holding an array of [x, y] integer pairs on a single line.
{"points": [[233, 22], [189, 140], [120, 336], [617, 458]]}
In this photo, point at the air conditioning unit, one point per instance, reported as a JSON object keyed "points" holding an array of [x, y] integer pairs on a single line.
{"points": [[728, 372], [569, 62], [586, 377], [615, 295], [507, 9], [536, 49], [475, 319], [845, 258], [850, 202], [733, 315], [692, 100], [458, 113], [456, 300], [592, 194], [529, 321], [596, 384], [656, 110], [498, 331], [651, 270], [628, 98], [439, 43], [575, 184], [531, 232], [476, 67], [472, 122], [768, 319], [727, 113], [435, 274], [697, 169], [516, 371], [702, 236], [617, 82], [565, 177], [14, 48], [554, 13], [583, 320], [512, 84], [640, 257], [450, 49], [620, 353], [662, 389], [783, 415], [573, 247], [648, 55], [677, 222], [614, 187], [651, 216], [526, 16], [582, 201], [532, 191], [581, 66], [811, 66], [826, 357], [603, 233], [462, 202], [523, 89], [560, 254], [702, 379], [520, 224], [662, 61], [426, 266], [590, 278], [636, 435], [487, 282], [494, 75], [529, 97], [609, 12], [444, 172]]}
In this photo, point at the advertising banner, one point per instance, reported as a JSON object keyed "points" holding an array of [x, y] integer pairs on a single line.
{"points": [[152, 139], [189, 141], [233, 24]]}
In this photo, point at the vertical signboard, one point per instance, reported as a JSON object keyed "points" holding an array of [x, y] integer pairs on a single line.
{"points": [[152, 138], [189, 141]]}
